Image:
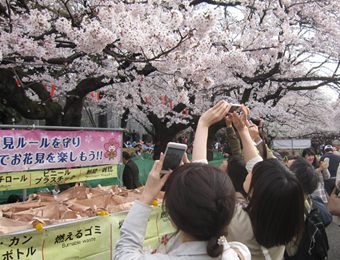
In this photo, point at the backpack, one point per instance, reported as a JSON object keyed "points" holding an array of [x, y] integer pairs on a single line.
{"points": [[314, 242], [325, 215]]}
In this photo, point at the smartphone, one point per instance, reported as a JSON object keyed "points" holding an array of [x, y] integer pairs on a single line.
{"points": [[235, 108], [173, 156]]}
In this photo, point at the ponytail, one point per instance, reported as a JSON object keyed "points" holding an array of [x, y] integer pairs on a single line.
{"points": [[213, 248]]}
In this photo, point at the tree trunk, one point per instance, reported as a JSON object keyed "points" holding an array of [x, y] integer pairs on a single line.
{"points": [[8, 115], [123, 120], [161, 139], [102, 120], [163, 134], [73, 111]]}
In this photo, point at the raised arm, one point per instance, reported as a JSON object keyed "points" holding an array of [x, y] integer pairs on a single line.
{"points": [[232, 138], [323, 169], [208, 118], [337, 181], [261, 146], [132, 233], [240, 123]]}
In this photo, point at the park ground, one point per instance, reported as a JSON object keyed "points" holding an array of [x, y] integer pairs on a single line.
{"points": [[333, 233]]}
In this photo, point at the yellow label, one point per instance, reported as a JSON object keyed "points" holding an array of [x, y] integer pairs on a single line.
{"points": [[87, 239], [32, 179]]}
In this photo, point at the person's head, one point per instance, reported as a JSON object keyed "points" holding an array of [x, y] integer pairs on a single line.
{"points": [[126, 157], [336, 144], [328, 148], [276, 204], [309, 155], [289, 159], [13, 198], [306, 174], [200, 201]]}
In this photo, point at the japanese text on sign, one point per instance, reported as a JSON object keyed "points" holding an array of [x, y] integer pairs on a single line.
{"points": [[87, 239], [24, 150], [30, 179], [18, 247]]}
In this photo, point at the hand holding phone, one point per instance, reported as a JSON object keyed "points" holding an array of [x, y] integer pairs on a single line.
{"points": [[214, 114], [326, 163], [173, 156], [155, 182]]}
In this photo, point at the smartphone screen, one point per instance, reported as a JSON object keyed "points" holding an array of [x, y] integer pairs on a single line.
{"points": [[173, 158], [234, 108]]}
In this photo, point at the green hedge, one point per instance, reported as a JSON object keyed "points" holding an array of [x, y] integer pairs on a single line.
{"points": [[144, 164]]}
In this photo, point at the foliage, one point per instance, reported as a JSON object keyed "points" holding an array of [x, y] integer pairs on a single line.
{"points": [[157, 58]]}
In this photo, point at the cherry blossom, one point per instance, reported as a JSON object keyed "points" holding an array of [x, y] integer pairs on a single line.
{"points": [[160, 58]]}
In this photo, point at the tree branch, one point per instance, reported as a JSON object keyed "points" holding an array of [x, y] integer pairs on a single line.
{"points": [[74, 24], [55, 61], [3, 11], [309, 79], [17, 99], [69, 59], [9, 15], [218, 3]]}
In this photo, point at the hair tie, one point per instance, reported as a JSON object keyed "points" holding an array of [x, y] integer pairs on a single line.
{"points": [[222, 241], [237, 250]]}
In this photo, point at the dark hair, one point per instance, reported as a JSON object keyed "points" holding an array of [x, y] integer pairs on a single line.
{"points": [[126, 155], [328, 148], [308, 152], [237, 173], [276, 204], [13, 198], [257, 121], [306, 174], [200, 200]]}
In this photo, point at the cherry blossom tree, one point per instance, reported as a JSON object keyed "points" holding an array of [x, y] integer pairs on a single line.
{"points": [[306, 113], [164, 62]]}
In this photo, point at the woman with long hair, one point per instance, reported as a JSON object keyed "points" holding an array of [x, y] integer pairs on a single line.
{"points": [[200, 201], [272, 213], [321, 168]]}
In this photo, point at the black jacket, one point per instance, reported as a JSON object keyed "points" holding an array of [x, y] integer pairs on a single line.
{"points": [[334, 161]]}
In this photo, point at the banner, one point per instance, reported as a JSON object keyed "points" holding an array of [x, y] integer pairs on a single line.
{"points": [[23, 150], [33, 179], [292, 144], [25, 246], [90, 239]]}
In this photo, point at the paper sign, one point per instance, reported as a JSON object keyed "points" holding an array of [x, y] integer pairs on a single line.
{"points": [[32, 179], [23, 150], [89, 239]]}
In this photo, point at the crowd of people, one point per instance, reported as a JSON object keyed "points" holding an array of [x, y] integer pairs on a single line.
{"points": [[255, 206]]}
